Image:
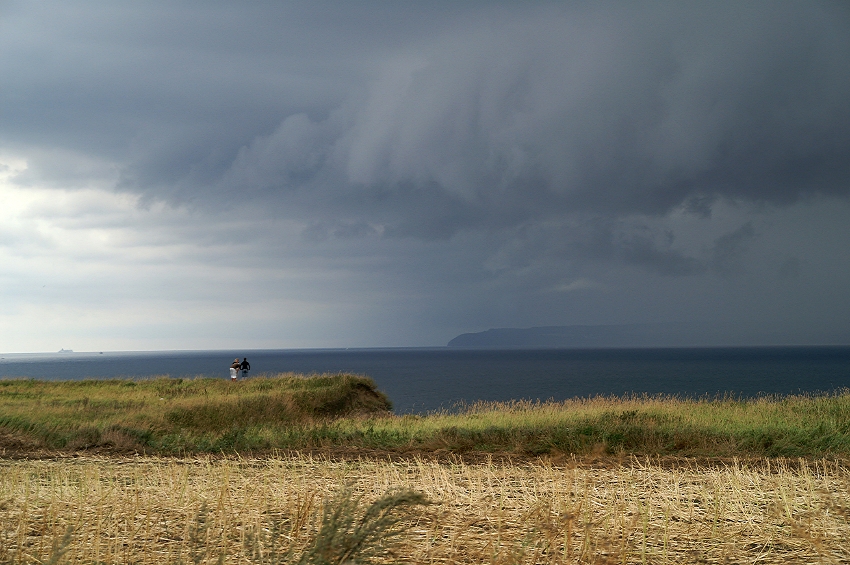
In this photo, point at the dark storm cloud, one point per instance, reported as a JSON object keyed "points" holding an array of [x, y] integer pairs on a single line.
{"points": [[597, 239], [552, 111], [790, 269], [431, 119], [729, 249]]}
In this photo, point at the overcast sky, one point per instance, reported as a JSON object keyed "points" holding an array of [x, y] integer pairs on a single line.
{"points": [[205, 175]]}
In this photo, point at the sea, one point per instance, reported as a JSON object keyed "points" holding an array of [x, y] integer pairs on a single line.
{"points": [[424, 380]]}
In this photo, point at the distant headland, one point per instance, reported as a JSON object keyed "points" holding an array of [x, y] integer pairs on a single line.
{"points": [[628, 335], [561, 336]]}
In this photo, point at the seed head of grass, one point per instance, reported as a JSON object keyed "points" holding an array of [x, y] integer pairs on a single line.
{"points": [[349, 534]]}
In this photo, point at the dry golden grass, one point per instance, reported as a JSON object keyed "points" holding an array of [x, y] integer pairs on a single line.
{"points": [[143, 510]]}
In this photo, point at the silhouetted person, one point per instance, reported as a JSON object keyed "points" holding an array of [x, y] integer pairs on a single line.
{"points": [[245, 366]]}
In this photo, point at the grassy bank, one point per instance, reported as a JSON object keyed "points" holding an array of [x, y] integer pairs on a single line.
{"points": [[178, 415], [291, 412]]}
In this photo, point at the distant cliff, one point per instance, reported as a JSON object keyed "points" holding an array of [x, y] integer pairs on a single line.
{"points": [[620, 335], [675, 334], [552, 336]]}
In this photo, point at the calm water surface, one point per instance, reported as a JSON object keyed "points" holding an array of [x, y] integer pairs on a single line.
{"points": [[425, 379]]}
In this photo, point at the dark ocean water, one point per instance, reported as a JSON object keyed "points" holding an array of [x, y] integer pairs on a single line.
{"points": [[425, 379]]}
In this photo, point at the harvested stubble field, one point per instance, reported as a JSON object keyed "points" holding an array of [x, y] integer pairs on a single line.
{"points": [[548, 510]]}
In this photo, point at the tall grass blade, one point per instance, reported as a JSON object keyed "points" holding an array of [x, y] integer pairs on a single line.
{"points": [[350, 535]]}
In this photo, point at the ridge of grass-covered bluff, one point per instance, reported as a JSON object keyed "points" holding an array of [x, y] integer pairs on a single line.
{"points": [[290, 412]]}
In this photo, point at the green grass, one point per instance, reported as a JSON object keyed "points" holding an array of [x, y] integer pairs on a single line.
{"points": [[177, 415], [788, 426], [292, 412]]}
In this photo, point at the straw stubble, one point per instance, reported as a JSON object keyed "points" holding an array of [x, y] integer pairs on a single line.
{"points": [[247, 511]]}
